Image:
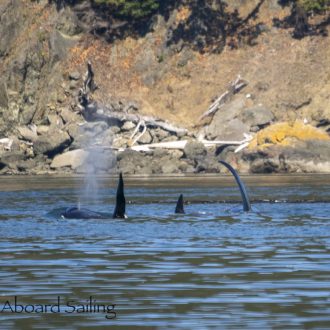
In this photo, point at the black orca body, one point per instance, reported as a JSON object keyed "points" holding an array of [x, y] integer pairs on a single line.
{"points": [[78, 213], [81, 213], [245, 198]]}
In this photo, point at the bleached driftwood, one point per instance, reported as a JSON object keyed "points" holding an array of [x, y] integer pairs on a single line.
{"points": [[182, 143], [234, 88], [133, 141], [137, 128], [6, 143], [93, 112], [163, 145], [208, 143]]}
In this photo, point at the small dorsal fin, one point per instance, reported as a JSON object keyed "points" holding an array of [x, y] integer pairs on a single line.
{"points": [[179, 205], [245, 197], [120, 207]]}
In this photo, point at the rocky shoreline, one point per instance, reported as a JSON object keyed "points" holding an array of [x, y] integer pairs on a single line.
{"points": [[68, 144], [44, 131]]}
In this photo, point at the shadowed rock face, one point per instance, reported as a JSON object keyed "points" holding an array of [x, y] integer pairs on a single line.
{"points": [[52, 143], [305, 156]]}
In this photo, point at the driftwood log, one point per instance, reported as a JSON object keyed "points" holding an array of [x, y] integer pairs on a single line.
{"points": [[182, 143], [234, 87], [92, 111]]}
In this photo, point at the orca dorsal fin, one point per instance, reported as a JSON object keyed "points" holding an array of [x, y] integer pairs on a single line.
{"points": [[179, 205], [120, 207], [245, 197]]}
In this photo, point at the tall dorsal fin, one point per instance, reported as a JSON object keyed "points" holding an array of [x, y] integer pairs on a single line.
{"points": [[120, 207], [179, 205], [245, 197]]}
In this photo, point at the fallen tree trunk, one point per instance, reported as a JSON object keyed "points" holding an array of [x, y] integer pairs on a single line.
{"points": [[93, 113], [234, 88], [182, 143]]}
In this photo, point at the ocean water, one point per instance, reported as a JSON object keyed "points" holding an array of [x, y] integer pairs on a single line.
{"points": [[214, 267]]}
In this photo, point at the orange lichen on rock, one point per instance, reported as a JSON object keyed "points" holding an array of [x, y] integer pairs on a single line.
{"points": [[183, 14], [286, 133]]}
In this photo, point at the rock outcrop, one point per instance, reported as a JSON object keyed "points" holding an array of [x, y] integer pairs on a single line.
{"points": [[44, 49]]}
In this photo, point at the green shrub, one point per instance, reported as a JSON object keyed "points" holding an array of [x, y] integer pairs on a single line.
{"points": [[132, 8], [314, 5]]}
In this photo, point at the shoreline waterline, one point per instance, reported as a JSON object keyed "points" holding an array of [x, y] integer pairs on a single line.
{"points": [[18, 182]]}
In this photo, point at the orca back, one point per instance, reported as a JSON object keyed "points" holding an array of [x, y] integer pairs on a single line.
{"points": [[80, 213]]}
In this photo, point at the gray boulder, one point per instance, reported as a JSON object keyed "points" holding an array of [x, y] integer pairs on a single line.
{"points": [[170, 138], [146, 138], [26, 133], [55, 121], [170, 166], [69, 116], [51, 144], [232, 130], [26, 165], [159, 134], [176, 153], [194, 150], [208, 165], [72, 159], [306, 156], [225, 124], [128, 125], [134, 162], [258, 116], [10, 158], [164, 164], [159, 153], [27, 113]]}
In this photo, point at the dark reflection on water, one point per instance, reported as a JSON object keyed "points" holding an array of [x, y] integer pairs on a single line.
{"points": [[216, 268]]}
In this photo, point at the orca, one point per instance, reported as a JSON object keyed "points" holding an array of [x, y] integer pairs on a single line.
{"points": [[120, 207], [82, 213], [245, 198], [179, 209]]}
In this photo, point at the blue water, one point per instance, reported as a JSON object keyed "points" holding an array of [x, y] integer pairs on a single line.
{"points": [[215, 267]]}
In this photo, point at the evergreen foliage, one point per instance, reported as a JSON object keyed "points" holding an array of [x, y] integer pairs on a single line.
{"points": [[132, 8], [314, 5]]}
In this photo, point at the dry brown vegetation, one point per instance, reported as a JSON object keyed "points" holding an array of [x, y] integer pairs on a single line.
{"points": [[289, 76]]}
